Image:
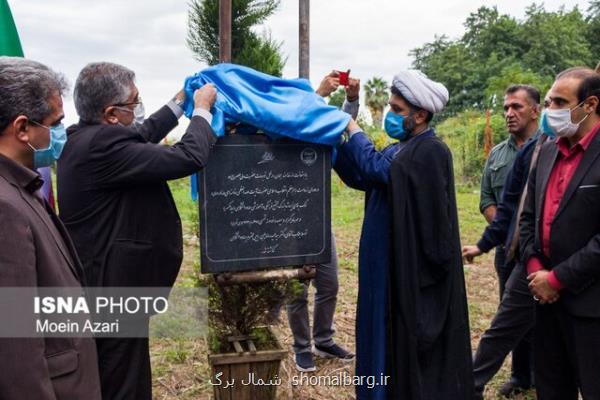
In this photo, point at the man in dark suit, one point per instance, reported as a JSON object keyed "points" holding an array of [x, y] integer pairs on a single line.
{"points": [[560, 241], [35, 249], [115, 201]]}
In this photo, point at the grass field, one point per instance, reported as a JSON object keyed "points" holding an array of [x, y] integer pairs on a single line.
{"points": [[180, 367]]}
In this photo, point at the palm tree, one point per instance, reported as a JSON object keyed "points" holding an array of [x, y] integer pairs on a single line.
{"points": [[376, 97]]}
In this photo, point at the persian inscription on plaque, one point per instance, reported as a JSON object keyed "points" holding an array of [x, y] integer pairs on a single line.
{"points": [[264, 204]]}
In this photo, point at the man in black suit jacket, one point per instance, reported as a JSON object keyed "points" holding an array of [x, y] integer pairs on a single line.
{"points": [[560, 241], [115, 201], [35, 249]]}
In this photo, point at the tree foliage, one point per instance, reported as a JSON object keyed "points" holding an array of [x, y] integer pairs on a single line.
{"points": [[593, 33], [497, 49], [258, 51], [337, 98], [376, 98], [463, 134], [510, 74]]}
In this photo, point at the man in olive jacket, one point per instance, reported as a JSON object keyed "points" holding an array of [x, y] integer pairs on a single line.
{"points": [[114, 199]]}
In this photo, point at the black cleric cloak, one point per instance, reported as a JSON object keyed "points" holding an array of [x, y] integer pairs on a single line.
{"points": [[429, 341]]}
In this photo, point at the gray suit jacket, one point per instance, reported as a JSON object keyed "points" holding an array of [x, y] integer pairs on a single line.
{"points": [[35, 251]]}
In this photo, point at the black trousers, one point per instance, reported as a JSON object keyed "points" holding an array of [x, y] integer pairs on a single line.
{"points": [[567, 354], [124, 366], [502, 269], [511, 330]]}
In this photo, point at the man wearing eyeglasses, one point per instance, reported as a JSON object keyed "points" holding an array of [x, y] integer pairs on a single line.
{"points": [[116, 204]]}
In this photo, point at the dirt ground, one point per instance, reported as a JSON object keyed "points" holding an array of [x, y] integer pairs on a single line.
{"points": [[180, 368]]}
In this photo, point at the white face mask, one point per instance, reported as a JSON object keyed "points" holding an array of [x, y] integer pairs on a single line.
{"points": [[139, 114], [560, 121]]}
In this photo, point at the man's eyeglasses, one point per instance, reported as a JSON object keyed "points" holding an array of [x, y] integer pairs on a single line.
{"points": [[132, 103]]}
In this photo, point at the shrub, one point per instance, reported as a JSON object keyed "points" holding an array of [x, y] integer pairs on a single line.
{"points": [[238, 310], [463, 134]]}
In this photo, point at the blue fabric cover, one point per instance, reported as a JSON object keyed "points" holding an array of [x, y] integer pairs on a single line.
{"points": [[279, 107]]}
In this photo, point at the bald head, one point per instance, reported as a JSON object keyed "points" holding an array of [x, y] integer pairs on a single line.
{"points": [[578, 73], [585, 81], [577, 90]]}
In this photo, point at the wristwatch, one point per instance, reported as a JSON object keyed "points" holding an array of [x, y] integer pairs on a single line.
{"points": [[179, 102]]}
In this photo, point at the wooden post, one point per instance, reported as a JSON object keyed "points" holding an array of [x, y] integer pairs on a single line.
{"points": [[229, 278], [225, 18], [225, 31], [488, 140], [304, 64]]}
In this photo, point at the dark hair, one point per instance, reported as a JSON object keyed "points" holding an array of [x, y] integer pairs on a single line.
{"points": [[25, 88], [532, 93], [590, 86], [412, 107]]}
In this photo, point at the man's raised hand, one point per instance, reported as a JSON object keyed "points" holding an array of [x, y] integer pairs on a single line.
{"points": [[329, 84], [205, 96]]}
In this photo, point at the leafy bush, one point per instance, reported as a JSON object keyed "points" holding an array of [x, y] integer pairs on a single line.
{"points": [[463, 134], [378, 136], [238, 309]]}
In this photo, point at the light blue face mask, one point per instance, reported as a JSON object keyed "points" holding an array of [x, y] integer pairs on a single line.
{"points": [[546, 130], [46, 157], [394, 126]]}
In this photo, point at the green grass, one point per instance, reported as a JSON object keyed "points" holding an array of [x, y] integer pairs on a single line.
{"points": [[470, 219], [347, 205], [180, 366], [188, 209]]}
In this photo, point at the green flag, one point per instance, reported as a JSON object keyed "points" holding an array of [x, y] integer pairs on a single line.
{"points": [[10, 45]]}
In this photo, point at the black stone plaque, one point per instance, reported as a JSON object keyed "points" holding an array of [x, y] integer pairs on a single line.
{"points": [[264, 204]]}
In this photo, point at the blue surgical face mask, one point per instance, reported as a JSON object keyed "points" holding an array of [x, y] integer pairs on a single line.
{"points": [[46, 157], [394, 126], [545, 126]]}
